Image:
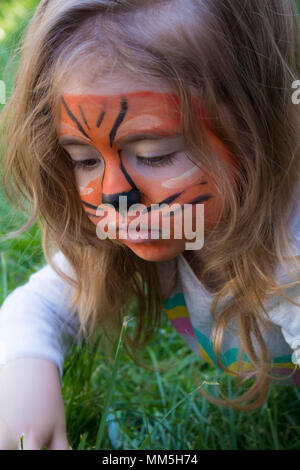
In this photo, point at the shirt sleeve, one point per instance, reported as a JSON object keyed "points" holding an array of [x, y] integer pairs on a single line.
{"points": [[36, 320], [286, 314]]}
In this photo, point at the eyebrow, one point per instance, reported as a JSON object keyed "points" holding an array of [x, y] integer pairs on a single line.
{"points": [[69, 140], [132, 138]]}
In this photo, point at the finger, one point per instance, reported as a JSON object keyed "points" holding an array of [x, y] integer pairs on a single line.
{"points": [[30, 442], [6, 440], [59, 442]]}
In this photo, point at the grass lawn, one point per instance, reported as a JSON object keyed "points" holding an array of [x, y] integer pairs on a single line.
{"points": [[151, 409]]}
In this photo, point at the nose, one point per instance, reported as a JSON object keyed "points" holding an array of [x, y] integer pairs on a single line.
{"points": [[116, 177], [132, 197]]}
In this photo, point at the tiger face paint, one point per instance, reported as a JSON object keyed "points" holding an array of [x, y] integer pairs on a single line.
{"points": [[131, 145]]}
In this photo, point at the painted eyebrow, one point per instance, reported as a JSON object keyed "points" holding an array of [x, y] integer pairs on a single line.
{"points": [[69, 140], [133, 138]]}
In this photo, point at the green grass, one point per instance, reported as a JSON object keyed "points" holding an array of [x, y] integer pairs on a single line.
{"points": [[124, 405], [163, 410]]}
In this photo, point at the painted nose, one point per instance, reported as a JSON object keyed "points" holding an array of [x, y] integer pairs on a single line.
{"points": [[132, 197], [117, 177]]}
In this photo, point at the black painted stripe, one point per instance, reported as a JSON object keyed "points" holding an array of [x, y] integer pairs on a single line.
{"points": [[75, 119], [92, 215], [83, 117], [202, 198], [198, 199], [119, 120], [100, 119], [89, 205], [127, 176], [171, 198], [165, 201]]}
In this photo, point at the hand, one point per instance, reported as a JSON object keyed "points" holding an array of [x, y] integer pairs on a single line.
{"points": [[31, 404]]}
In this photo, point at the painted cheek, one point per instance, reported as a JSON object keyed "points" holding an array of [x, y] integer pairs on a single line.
{"points": [[92, 193], [188, 177], [221, 150], [179, 172]]}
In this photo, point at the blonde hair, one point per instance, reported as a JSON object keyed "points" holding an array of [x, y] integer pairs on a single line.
{"points": [[239, 59]]}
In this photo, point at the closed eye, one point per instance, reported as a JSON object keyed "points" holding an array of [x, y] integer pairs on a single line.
{"points": [[158, 161], [88, 164]]}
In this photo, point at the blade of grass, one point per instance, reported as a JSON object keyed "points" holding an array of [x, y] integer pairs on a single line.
{"points": [[82, 442], [109, 393], [21, 442], [172, 409], [231, 416], [158, 376], [273, 430]]}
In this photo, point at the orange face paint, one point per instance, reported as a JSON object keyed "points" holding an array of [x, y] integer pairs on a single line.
{"points": [[106, 123]]}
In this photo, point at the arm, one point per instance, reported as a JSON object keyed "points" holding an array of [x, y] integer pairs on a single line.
{"points": [[35, 319], [35, 331], [31, 404]]}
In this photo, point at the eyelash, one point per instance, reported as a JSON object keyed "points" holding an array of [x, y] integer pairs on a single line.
{"points": [[85, 164], [152, 161], [164, 160]]}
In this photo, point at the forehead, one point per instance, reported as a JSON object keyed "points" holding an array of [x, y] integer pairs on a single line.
{"points": [[84, 82], [143, 110]]}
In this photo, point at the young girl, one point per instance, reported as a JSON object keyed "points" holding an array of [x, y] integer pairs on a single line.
{"points": [[175, 101]]}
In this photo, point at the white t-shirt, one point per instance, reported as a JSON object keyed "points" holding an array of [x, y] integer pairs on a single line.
{"points": [[35, 319]]}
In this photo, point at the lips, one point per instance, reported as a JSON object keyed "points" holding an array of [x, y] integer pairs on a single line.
{"points": [[139, 234], [140, 228]]}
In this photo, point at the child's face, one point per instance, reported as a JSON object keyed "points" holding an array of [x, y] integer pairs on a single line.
{"points": [[125, 140]]}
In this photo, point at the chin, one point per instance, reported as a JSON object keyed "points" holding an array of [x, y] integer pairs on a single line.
{"points": [[162, 250]]}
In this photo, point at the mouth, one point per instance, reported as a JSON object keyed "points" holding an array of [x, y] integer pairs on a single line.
{"points": [[140, 228], [140, 233]]}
